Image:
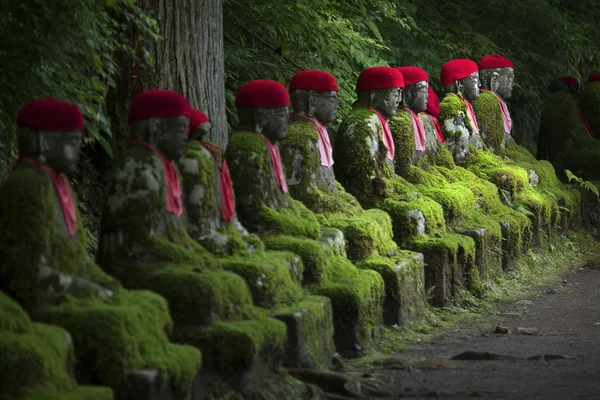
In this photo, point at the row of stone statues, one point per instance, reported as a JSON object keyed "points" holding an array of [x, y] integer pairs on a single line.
{"points": [[292, 244]]}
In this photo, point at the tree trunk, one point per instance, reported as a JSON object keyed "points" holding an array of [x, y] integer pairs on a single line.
{"points": [[188, 59]]}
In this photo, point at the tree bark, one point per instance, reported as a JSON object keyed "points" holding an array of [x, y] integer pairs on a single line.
{"points": [[188, 59]]}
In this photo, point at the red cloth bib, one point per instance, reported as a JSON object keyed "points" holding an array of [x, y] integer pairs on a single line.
{"points": [[471, 114], [388, 140], [584, 120], [439, 135], [63, 193], [506, 119], [324, 145], [173, 205], [275, 163], [418, 130], [227, 200]]}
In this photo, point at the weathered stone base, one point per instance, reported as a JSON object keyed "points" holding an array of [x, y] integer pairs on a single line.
{"points": [[404, 279], [309, 333], [446, 260], [147, 384], [488, 259]]}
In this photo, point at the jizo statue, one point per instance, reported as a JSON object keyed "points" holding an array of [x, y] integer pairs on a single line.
{"points": [[460, 78]]}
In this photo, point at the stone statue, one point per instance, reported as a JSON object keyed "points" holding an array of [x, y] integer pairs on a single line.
{"points": [[433, 130], [497, 80], [589, 101], [47, 270], [144, 242], [208, 195], [460, 79], [265, 207], [364, 155], [306, 154]]}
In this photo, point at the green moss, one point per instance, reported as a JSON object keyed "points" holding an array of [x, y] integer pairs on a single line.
{"points": [[489, 120], [294, 220], [34, 359], [310, 335], [366, 234], [119, 336], [357, 298], [234, 346], [450, 108], [589, 101], [268, 277], [30, 221], [311, 252], [404, 141], [356, 166], [504, 174]]}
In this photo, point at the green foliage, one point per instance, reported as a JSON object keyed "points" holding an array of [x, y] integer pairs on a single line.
{"points": [[64, 49], [587, 185]]}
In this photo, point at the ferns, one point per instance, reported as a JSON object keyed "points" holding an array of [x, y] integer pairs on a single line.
{"points": [[587, 185]]}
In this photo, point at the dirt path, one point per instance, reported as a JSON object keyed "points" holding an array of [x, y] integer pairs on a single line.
{"points": [[561, 321]]}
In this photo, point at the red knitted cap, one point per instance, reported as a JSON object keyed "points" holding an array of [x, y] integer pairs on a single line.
{"points": [[495, 61], [433, 102], [455, 70], [413, 75], [262, 93], [197, 117], [51, 115], [594, 77], [569, 80], [310, 79], [379, 78], [158, 103]]}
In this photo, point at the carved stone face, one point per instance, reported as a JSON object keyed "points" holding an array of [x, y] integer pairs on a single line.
{"points": [[415, 96], [325, 104], [61, 150], [386, 101], [470, 86], [502, 84], [272, 122], [171, 135]]}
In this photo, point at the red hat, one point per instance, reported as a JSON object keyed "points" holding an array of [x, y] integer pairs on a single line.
{"points": [[158, 103], [379, 78], [457, 69], [433, 102], [413, 75], [197, 117], [569, 80], [310, 79], [495, 61], [594, 77], [262, 93], [51, 115]]}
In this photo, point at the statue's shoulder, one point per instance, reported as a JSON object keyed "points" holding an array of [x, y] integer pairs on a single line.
{"points": [[26, 186], [196, 158], [360, 122], [451, 106], [247, 149], [136, 170], [401, 120], [486, 102], [300, 130]]}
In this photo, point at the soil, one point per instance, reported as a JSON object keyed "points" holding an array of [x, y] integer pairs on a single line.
{"points": [[552, 351]]}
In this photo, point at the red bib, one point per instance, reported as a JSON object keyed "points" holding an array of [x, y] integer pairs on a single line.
{"points": [[471, 114], [227, 200], [418, 130], [324, 145], [171, 178], [439, 135], [276, 163], [63, 193], [506, 119], [388, 140]]}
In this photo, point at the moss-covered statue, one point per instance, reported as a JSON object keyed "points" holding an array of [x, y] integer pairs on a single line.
{"points": [[265, 207], [46, 269], [460, 79], [517, 178], [565, 139], [144, 242], [589, 101], [37, 360], [307, 159], [273, 276], [462, 207], [497, 77], [364, 154], [433, 129], [208, 195]]}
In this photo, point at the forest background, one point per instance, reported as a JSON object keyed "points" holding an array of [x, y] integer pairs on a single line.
{"points": [[100, 53]]}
